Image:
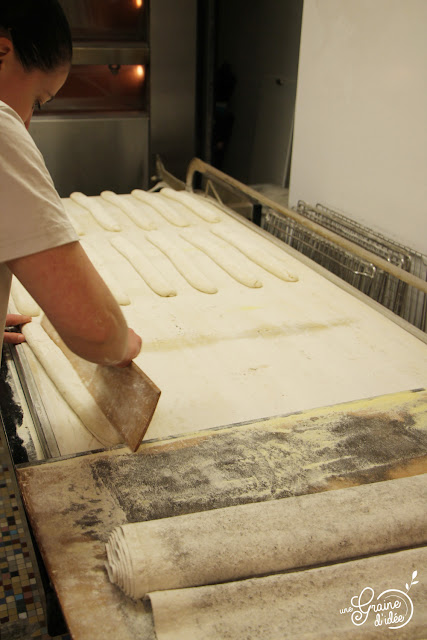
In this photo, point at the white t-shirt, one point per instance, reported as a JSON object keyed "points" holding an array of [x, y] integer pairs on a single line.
{"points": [[32, 216]]}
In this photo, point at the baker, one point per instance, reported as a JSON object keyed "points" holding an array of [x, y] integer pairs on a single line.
{"points": [[37, 242]]}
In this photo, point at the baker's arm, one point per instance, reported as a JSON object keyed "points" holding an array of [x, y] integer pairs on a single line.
{"points": [[76, 300]]}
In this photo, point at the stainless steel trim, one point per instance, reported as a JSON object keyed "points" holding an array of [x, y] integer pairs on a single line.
{"points": [[95, 152], [111, 53], [35, 405]]}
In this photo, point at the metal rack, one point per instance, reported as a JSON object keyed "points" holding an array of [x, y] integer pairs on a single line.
{"points": [[394, 294]]}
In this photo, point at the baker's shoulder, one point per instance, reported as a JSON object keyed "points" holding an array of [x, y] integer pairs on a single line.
{"points": [[15, 140], [13, 134], [8, 116]]}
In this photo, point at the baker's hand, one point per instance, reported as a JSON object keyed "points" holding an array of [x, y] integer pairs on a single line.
{"points": [[14, 320], [134, 347]]}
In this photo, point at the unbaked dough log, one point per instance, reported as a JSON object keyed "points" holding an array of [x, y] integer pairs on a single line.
{"points": [[267, 537], [207, 212], [221, 256], [102, 217], [70, 433], [110, 280], [260, 257], [143, 266], [166, 210], [24, 303], [68, 383], [178, 207], [186, 268], [130, 210]]}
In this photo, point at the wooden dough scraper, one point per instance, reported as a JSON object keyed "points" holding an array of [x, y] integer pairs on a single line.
{"points": [[127, 397]]}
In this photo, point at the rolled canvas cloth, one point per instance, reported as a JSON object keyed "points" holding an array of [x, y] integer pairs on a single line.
{"points": [[263, 538], [312, 604]]}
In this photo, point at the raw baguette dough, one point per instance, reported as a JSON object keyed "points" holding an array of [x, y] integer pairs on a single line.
{"points": [[161, 206], [207, 212], [110, 280], [102, 217], [182, 263], [221, 255], [130, 210], [68, 383], [143, 266], [260, 257], [70, 433], [24, 303]]}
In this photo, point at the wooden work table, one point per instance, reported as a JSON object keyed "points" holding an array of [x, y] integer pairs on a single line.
{"points": [[75, 503]]}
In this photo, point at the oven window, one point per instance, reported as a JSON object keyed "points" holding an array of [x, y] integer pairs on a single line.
{"points": [[101, 88]]}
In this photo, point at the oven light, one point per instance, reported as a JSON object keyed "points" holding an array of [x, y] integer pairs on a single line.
{"points": [[140, 71]]}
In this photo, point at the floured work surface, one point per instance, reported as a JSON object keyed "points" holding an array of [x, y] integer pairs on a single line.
{"points": [[234, 327], [74, 504]]}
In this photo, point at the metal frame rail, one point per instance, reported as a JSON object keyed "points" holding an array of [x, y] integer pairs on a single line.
{"points": [[391, 292]]}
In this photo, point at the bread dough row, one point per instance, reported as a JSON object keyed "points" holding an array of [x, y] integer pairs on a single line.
{"points": [[222, 256], [181, 262], [204, 210], [258, 256], [159, 204], [103, 218], [143, 266], [134, 213], [230, 262]]}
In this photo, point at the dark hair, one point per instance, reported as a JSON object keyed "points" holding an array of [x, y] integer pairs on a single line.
{"points": [[39, 31]]}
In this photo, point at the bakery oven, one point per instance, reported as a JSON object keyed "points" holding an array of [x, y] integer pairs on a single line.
{"points": [[132, 80]]}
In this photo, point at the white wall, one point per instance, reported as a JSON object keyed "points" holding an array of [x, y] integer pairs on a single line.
{"points": [[360, 140]]}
